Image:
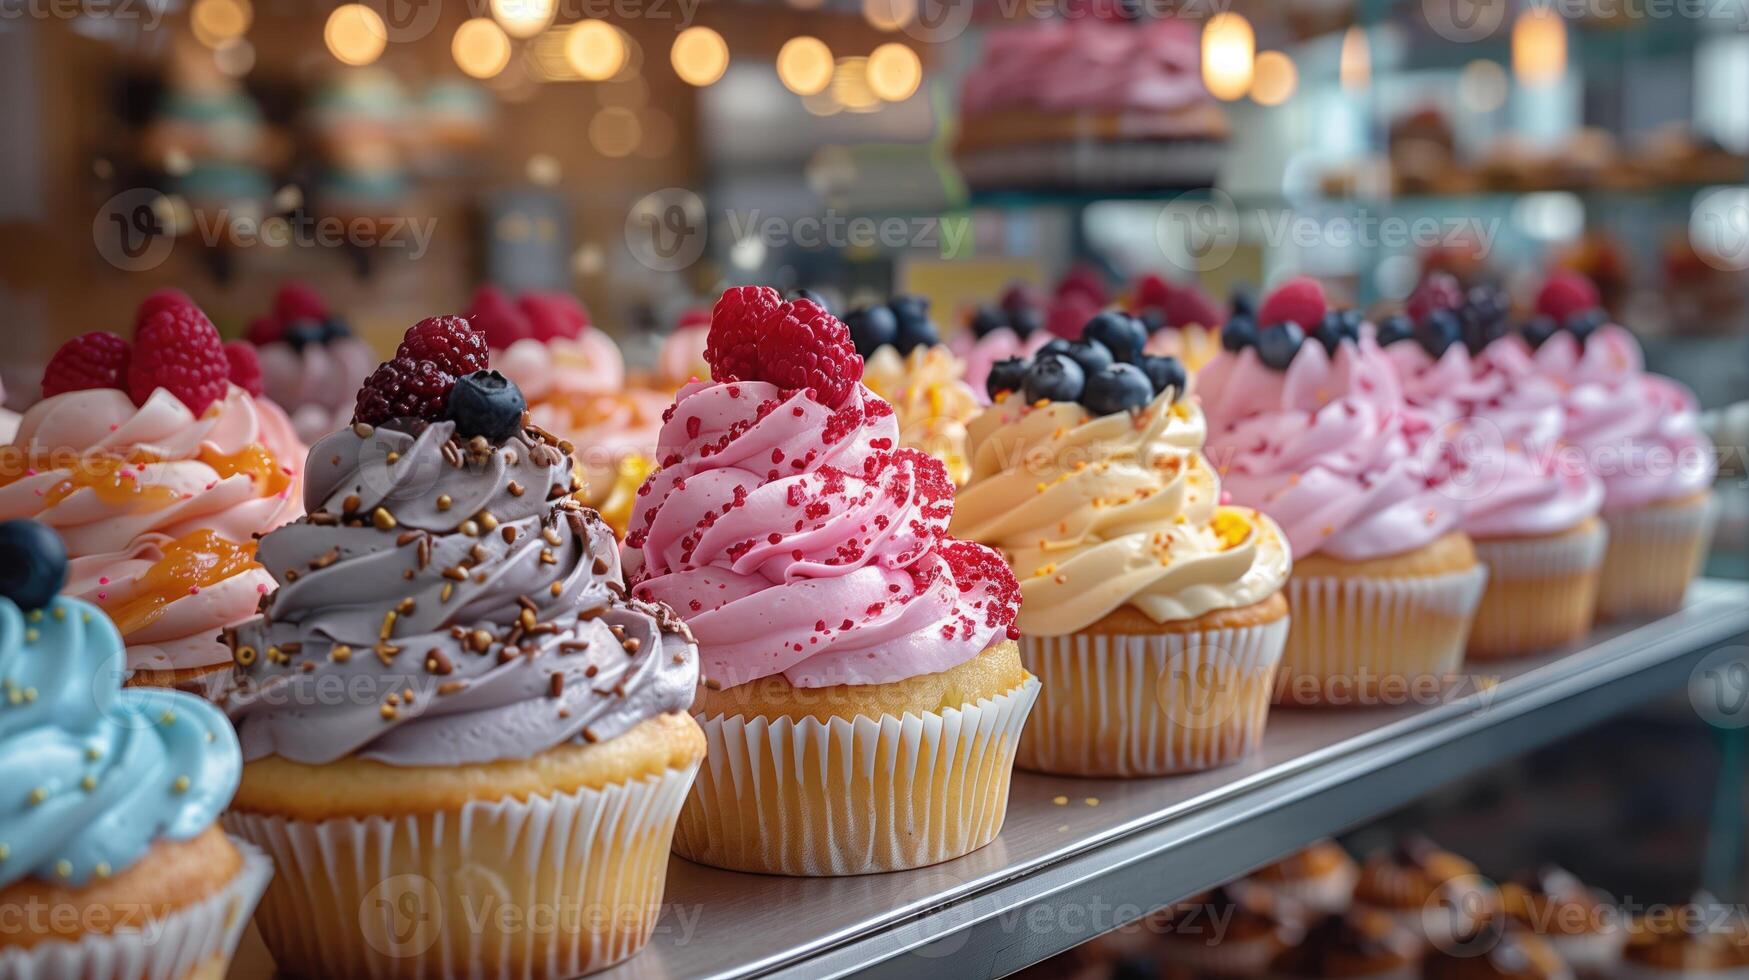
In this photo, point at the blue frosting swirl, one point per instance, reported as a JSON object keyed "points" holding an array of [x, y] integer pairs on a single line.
{"points": [[92, 774]]}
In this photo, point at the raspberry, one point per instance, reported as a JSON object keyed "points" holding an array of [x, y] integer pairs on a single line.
{"points": [[162, 299], [404, 388], [1300, 299], [695, 317], [1069, 314], [1192, 305], [298, 301], [1565, 294], [551, 316], [265, 329], [1021, 296], [738, 326], [245, 367], [806, 347], [450, 343], [1439, 291], [1085, 282], [94, 360], [178, 349], [500, 321], [1152, 293]]}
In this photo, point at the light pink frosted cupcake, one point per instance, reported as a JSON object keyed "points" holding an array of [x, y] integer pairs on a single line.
{"points": [[681, 358], [311, 363], [1015, 327], [158, 473]]}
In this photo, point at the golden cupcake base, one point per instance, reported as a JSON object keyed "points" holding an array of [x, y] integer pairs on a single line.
{"points": [[1653, 554], [1541, 594]]}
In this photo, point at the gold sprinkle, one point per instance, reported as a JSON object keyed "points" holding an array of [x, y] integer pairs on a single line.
{"points": [[393, 457], [443, 501], [350, 504], [168, 717], [38, 795], [102, 869], [448, 590], [388, 711], [1060, 800], [479, 641], [1091, 801], [514, 488], [64, 868], [382, 520], [245, 656], [88, 784], [556, 588], [180, 785], [5, 851], [35, 615], [60, 613], [340, 654], [30, 636], [470, 529], [487, 521], [388, 627], [93, 753]]}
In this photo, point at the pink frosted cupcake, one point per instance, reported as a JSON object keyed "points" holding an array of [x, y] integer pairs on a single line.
{"points": [[159, 473], [1183, 322], [310, 362], [1012, 328], [1531, 515], [1313, 430], [681, 358]]}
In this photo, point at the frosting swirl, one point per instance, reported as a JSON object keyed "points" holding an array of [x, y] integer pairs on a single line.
{"points": [[466, 604], [94, 774], [802, 540], [1098, 512], [317, 385], [1326, 448], [588, 364], [933, 403], [982, 353]]}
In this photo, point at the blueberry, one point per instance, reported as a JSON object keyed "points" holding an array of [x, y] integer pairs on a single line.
{"points": [[33, 563], [1121, 334], [1438, 331], [915, 327], [303, 333], [1153, 320], [1394, 328], [1329, 332], [334, 329], [1244, 304], [872, 328], [1584, 323], [1026, 321], [1008, 374], [1239, 332], [1278, 344], [1092, 355], [987, 320], [910, 304], [1119, 388], [1054, 377], [1481, 329], [1351, 321], [1163, 373], [810, 296], [1538, 331], [488, 404]]}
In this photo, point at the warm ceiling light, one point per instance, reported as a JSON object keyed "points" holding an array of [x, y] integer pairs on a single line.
{"points": [[1276, 78], [1229, 48], [595, 50], [850, 86], [480, 47], [1355, 68], [216, 21], [523, 18], [894, 72], [889, 15], [700, 56], [355, 34], [1539, 46], [804, 65]]}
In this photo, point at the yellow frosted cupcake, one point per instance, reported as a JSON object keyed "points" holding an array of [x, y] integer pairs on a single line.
{"points": [[919, 376]]}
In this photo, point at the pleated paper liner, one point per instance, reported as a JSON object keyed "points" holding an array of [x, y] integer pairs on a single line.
{"points": [[1149, 705], [554, 886], [1653, 554], [196, 941], [1541, 594], [843, 797], [1364, 641]]}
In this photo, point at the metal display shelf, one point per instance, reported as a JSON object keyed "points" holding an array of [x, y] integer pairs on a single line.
{"points": [[1078, 857]]}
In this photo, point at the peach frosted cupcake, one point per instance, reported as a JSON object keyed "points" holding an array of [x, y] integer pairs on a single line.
{"points": [[905, 363], [512, 731], [159, 472], [1320, 877], [310, 361], [1311, 428], [1152, 612], [111, 861], [835, 617]]}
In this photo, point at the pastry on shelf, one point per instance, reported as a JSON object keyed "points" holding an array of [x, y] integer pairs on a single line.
{"points": [[1233, 931], [1182, 320], [1435, 894], [1360, 944], [1579, 924], [1319, 877], [1703, 939], [905, 362], [1013, 327], [311, 363]]}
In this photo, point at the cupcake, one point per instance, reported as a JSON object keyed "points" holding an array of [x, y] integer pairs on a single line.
{"points": [[1014, 327], [310, 361], [1531, 516], [111, 860], [1235, 930], [1638, 432], [1319, 877], [1317, 435], [1498, 949], [1151, 612], [905, 363], [158, 471], [1182, 321], [681, 357], [8, 418], [1577, 923], [513, 731], [1356, 944], [1432, 892], [1702, 940], [835, 617]]}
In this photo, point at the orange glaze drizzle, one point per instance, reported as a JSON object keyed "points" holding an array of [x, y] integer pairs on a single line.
{"points": [[195, 561]]}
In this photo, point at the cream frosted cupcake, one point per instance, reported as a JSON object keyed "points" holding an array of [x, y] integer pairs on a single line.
{"points": [[1319, 877], [905, 363], [111, 861], [1151, 612], [1580, 925], [158, 472], [836, 619], [1495, 450], [449, 705], [1313, 431]]}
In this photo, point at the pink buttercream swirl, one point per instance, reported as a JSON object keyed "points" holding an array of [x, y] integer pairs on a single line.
{"points": [[587, 364], [1326, 448], [317, 385], [982, 353], [111, 548], [1637, 432], [801, 540]]}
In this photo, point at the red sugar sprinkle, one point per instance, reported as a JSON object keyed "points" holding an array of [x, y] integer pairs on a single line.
{"points": [[692, 426]]}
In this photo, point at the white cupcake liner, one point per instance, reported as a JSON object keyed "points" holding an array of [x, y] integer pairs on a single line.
{"points": [[1332, 891], [196, 940], [1234, 958], [1352, 635], [554, 886], [1653, 554], [1149, 705], [844, 797], [1510, 559], [1542, 591]]}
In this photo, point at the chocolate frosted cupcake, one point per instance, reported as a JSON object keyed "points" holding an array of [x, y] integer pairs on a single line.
{"points": [[1361, 943], [450, 679], [1497, 949], [1703, 940], [1232, 931], [1432, 892], [1319, 877], [1581, 926]]}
